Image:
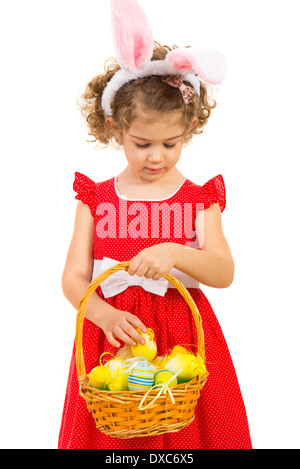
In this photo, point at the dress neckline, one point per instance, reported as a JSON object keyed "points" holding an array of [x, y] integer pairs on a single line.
{"points": [[146, 200]]}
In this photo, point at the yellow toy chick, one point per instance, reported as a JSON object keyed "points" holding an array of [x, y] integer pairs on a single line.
{"points": [[148, 350], [118, 380], [189, 364]]}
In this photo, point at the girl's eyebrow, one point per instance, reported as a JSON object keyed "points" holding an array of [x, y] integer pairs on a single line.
{"points": [[146, 140]]}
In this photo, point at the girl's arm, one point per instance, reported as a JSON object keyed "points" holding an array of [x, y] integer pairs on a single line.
{"points": [[77, 276], [213, 265]]}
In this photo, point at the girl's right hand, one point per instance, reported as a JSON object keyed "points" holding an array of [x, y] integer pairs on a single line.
{"points": [[123, 325]]}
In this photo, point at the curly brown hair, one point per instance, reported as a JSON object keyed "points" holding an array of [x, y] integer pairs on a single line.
{"points": [[150, 92]]}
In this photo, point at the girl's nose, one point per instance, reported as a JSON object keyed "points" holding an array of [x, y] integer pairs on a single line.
{"points": [[155, 155]]}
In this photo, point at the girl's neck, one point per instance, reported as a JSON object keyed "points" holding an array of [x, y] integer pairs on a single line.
{"points": [[133, 187]]}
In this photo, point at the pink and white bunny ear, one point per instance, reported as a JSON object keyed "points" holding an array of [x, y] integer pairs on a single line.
{"points": [[210, 65], [132, 34]]}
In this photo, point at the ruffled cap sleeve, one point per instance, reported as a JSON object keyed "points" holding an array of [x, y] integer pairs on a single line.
{"points": [[213, 191], [86, 190]]}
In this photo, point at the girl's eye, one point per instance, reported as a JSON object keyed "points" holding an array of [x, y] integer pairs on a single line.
{"points": [[166, 145]]}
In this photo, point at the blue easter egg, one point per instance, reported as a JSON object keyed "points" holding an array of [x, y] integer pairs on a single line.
{"points": [[141, 377]]}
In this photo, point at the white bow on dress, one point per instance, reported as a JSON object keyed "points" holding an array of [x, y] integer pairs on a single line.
{"points": [[120, 280]]}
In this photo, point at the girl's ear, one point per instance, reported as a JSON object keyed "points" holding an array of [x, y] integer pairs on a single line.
{"points": [[189, 131], [132, 34], [194, 122], [111, 125]]}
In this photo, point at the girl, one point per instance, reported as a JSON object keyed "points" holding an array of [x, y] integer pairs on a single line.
{"points": [[119, 219]]}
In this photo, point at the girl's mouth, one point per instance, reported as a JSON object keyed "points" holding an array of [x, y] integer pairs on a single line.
{"points": [[154, 170]]}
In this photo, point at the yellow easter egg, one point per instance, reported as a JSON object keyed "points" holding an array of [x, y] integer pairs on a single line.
{"points": [[149, 349], [99, 377], [165, 376]]}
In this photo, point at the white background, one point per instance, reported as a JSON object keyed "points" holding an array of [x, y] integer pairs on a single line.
{"points": [[50, 50]]}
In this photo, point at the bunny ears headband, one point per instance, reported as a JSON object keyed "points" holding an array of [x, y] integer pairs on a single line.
{"points": [[134, 48]]}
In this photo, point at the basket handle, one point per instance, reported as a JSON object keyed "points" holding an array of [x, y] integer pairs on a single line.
{"points": [[81, 373]]}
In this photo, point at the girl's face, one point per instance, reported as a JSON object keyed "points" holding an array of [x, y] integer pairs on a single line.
{"points": [[153, 144]]}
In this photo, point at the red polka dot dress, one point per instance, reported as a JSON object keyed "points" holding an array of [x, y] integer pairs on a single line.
{"points": [[120, 234]]}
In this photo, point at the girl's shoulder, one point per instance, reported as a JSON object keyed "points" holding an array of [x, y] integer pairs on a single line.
{"points": [[212, 191], [83, 182], [88, 190]]}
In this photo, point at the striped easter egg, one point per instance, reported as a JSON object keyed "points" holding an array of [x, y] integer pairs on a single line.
{"points": [[140, 377]]}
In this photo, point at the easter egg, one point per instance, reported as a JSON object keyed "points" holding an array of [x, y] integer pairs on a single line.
{"points": [[99, 376], [165, 376], [141, 377], [149, 349]]}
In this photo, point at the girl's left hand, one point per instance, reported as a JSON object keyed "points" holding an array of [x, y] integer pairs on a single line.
{"points": [[154, 262]]}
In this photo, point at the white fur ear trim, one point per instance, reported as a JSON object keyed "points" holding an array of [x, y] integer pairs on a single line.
{"points": [[132, 34], [210, 65]]}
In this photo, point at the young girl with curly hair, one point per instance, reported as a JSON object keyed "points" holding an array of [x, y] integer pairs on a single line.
{"points": [[151, 102]]}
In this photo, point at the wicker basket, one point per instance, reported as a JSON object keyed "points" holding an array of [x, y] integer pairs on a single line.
{"points": [[117, 413]]}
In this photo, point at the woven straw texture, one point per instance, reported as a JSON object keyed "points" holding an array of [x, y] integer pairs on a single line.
{"points": [[117, 414]]}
